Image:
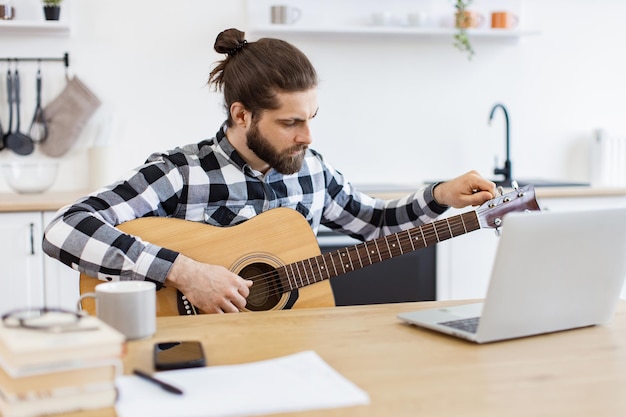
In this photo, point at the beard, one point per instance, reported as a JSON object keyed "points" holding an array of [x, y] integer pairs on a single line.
{"points": [[283, 162]]}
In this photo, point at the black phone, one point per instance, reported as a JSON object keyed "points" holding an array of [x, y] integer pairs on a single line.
{"points": [[179, 354]]}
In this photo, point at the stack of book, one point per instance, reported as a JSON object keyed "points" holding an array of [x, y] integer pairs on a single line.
{"points": [[45, 372]]}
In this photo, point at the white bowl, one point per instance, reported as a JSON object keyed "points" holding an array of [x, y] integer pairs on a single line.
{"points": [[32, 176]]}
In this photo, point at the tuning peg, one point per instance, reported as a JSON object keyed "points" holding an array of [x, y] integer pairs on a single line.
{"points": [[515, 185], [500, 190], [498, 232]]}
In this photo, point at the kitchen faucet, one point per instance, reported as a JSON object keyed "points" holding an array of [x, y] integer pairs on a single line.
{"points": [[506, 170]]}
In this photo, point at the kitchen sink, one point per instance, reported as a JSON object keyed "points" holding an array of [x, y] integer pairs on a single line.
{"points": [[542, 183]]}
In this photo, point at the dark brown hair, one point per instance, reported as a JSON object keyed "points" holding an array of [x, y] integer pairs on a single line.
{"points": [[253, 72]]}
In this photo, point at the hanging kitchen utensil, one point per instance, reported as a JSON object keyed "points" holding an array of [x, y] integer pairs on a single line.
{"points": [[3, 137], [10, 101], [18, 142], [39, 127]]}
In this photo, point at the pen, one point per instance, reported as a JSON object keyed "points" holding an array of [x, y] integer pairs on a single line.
{"points": [[167, 387]]}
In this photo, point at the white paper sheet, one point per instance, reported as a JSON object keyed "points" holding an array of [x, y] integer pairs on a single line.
{"points": [[302, 381]]}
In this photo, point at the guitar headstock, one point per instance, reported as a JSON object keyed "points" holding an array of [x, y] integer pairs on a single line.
{"points": [[491, 212]]}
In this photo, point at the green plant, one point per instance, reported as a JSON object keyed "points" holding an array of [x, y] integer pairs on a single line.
{"points": [[51, 2], [461, 39]]}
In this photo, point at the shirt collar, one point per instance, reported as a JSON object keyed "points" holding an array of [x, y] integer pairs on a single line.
{"points": [[228, 149]]}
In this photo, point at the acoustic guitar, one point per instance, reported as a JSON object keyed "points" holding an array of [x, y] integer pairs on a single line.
{"points": [[279, 251]]}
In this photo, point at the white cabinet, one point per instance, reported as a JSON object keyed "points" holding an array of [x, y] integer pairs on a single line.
{"points": [[21, 279], [464, 262], [29, 278]]}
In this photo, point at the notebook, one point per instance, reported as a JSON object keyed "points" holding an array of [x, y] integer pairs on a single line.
{"points": [[553, 271]]}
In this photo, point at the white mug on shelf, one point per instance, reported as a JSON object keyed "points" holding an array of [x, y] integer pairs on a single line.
{"points": [[382, 18], [284, 15], [128, 306], [417, 19]]}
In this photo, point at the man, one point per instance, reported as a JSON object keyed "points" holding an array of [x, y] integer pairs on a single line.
{"points": [[260, 159]]}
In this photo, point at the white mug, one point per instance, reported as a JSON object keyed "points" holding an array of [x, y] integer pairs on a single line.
{"points": [[128, 306], [417, 19], [284, 15], [383, 18]]}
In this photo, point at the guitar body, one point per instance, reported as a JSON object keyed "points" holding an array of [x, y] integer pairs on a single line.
{"points": [[254, 248]]}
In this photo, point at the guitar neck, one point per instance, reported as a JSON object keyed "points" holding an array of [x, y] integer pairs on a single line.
{"points": [[351, 258]]}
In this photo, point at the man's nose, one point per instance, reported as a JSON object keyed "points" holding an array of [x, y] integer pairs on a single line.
{"points": [[304, 135]]}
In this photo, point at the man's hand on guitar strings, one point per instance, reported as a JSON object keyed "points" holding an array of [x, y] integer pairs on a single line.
{"points": [[211, 288]]}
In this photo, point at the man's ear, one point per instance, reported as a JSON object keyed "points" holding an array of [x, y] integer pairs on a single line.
{"points": [[241, 117]]}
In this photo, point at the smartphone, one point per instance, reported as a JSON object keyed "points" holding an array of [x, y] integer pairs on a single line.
{"points": [[177, 355]]}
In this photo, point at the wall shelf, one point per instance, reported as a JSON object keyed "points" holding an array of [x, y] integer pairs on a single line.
{"points": [[269, 30], [355, 18], [27, 27]]}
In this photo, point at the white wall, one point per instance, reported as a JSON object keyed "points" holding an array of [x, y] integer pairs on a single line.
{"points": [[392, 109]]}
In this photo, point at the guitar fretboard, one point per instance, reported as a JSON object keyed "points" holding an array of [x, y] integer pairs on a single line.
{"points": [[351, 258]]}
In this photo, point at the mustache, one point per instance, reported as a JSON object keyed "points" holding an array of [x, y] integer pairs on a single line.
{"points": [[297, 148]]}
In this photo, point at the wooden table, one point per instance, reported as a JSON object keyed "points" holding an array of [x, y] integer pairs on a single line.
{"points": [[413, 372]]}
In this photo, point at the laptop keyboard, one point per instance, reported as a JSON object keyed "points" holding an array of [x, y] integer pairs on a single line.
{"points": [[469, 325]]}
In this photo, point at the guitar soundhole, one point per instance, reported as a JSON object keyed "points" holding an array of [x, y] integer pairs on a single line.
{"points": [[266, 291]]}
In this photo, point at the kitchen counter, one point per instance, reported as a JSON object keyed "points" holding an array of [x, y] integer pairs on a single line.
{"points": [[540, 192], [51, 201]]}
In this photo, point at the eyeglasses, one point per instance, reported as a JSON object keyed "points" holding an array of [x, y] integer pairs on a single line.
{"points": [[53, 320]]}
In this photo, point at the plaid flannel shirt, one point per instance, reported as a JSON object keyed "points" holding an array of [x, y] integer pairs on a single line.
{"points": [[210, 182]]}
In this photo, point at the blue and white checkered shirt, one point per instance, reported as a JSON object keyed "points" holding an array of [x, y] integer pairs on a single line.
{"points": [[210, 182]]}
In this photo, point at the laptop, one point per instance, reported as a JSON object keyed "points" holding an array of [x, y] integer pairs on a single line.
{"points": [[553, 271]]}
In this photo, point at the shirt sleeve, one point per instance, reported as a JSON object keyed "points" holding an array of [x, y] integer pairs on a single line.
{"points": [[83, 235], [364, 217]]}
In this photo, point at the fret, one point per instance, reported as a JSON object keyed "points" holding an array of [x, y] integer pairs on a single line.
{"points": [[430, 238], [298, 264], [316, 259], [388, 248], [449, 228], [441, 228], [399, 244], [312, 278], [404, 238], [333, 263], [411, 239], [456, 226], [472, 220], [463, 222], [421, 229], [357, 247], [368, 253], [290, 276], [342, 263], [349, 259], [380, 258], [326, 266], [312, 270], [296, 275]]}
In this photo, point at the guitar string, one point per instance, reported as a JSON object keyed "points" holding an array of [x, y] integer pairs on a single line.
{"points": [[403, 238]]}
